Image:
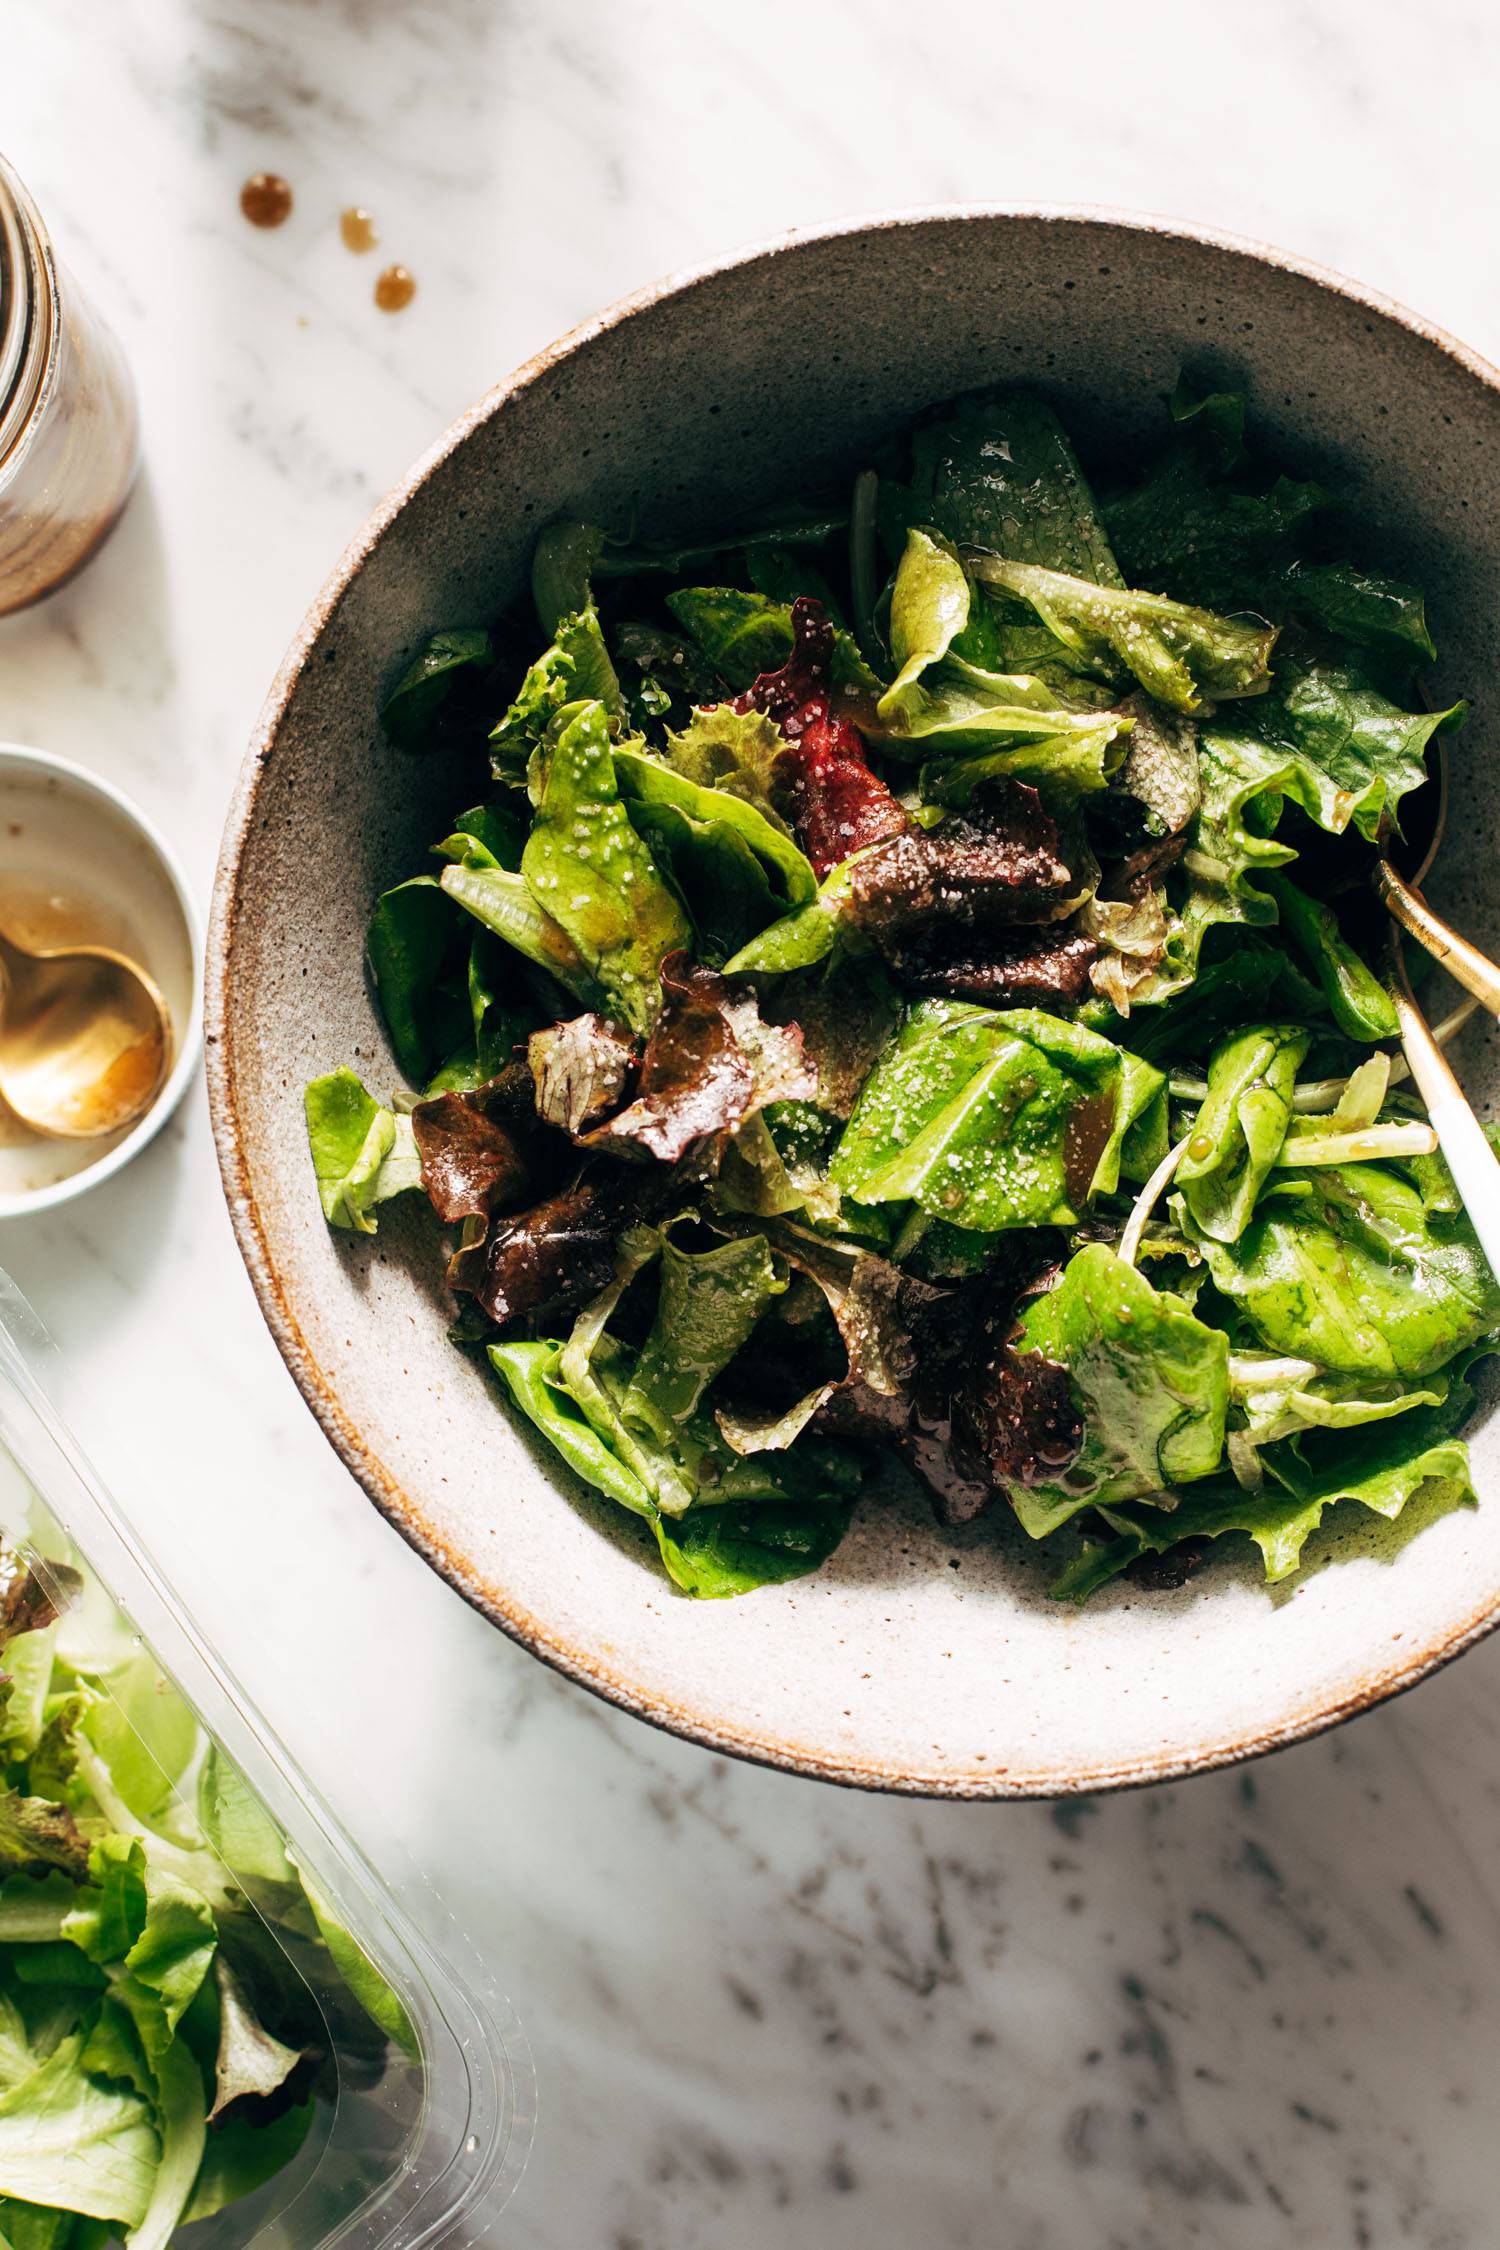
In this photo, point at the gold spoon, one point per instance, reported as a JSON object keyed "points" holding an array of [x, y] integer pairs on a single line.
{"points": [[85, 1038], [1402, 897]]}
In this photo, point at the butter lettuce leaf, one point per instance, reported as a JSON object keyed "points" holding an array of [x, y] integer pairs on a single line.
{"points": [[1383, 1467], [743, 634], [1181, 655], [1349, 1267], [1239, 1130], [707, 1307], [410, 713], [1360, 1004], [1351, 753], [362, 1152], [715, 1552], [78, 2143], [946, 702], [1203, 524], [588, 870], [411, 944], [991, 1119], [575, 669], [646, 780], [997, 470], [502, 901], [1150, 1379], [531, 1374]]}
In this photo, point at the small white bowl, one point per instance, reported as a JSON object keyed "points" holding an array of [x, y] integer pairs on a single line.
{"points": [[81, 865]]}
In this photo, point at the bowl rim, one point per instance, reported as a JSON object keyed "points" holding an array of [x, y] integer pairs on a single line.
{"points": [[583, 1666], [19, 757]]}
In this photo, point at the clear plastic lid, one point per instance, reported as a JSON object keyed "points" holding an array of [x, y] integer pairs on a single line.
{"points": [[382, 2082]]}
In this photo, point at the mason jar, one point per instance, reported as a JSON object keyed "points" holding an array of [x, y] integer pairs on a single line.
{"points": [[69, 442]]}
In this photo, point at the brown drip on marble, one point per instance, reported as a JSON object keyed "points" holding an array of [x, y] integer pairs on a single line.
{"points": [[266, 199], [357, 229], [395, 289]]}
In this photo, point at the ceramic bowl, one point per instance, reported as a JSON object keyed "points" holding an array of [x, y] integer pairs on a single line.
{"points": [[81, 865], [916, 1660]]}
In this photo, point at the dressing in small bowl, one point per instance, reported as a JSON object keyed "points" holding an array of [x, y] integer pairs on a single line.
{"points": [[80, 865]]}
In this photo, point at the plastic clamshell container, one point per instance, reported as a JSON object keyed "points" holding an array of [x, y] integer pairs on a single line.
{"points": [[417, 2141]]}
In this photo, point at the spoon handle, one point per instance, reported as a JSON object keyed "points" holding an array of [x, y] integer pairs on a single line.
{"points": [[1464, 962], [1471, 1160]]}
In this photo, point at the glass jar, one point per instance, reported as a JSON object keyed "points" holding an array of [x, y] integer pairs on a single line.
{"points": [[68, 434]]}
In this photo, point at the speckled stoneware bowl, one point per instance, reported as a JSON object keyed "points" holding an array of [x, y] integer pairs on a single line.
{"points": [[916, 1660]]}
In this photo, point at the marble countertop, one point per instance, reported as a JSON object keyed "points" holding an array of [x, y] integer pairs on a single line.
{"points": [[1262, 2007]]}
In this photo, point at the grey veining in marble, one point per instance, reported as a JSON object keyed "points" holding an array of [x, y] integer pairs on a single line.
{"points": [[1261, 2008]]}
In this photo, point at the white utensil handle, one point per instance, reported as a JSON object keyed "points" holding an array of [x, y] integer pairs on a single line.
{"points": [[1471, 1160]]}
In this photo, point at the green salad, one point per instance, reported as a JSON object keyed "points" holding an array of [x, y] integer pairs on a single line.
{"points": [[167, 2029], [905, 985]]}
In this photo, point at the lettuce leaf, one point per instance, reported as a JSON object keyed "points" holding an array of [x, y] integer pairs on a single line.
{"points": [[362, 1153], [109, 2016], [708, 1305], [808, 935], [1361, 1006], [71, 2141], [412, 942], [531, 1373], [997, 470], [571, 554], [587, 869], [168, 1961], [1231, 843], [1159, 769], [757, 1521], [1348, 1267], [184, 2136], [36, 1832], [745, 634], [1238, 1132], [411, 711], [242, 2153], [485, 1150], [711, 1061], [575, 669], [502, 901], [1181, 655], [734, 753], [1382, 615], [1351, 754], [1202, 524], [646, 780], [1062, 768], [1150, 1379], [1323, 739], [715, 1552], [1383, 1467], [992, 1119], [862, 1391], [929, 609], [946, 703], [1275, 1398], [1254, 980]]}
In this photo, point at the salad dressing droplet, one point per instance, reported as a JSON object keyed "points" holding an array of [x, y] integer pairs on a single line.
{"points": [[395, 289], [266, 199], [357, 227]]}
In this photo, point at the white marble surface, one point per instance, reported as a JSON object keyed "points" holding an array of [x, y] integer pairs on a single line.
{"points": [[1263, 2007]]}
